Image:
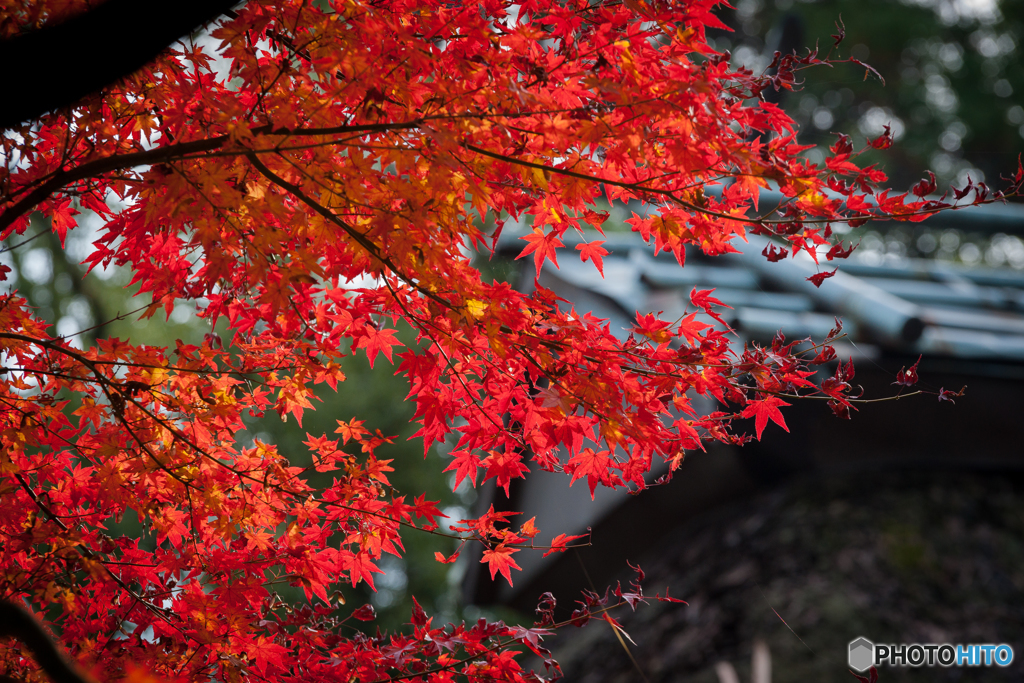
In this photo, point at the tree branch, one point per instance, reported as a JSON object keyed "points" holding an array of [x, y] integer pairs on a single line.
{"points": [[97, 167], [15, 621]]}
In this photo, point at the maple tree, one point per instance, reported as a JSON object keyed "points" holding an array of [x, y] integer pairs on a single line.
{"points": [[374, 141]]}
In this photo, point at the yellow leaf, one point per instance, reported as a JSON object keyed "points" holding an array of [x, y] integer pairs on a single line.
{"points": [[540, 177]]}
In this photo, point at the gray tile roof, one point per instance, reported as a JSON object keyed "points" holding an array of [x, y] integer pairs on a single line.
{"points": [[968, 323], [911, 307]]}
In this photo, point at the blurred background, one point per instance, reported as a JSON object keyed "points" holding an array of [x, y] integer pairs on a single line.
{"points": [[953, 90], [953, 96]]}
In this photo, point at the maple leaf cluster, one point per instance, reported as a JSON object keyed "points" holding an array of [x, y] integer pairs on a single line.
{"points": [[358, 141]]}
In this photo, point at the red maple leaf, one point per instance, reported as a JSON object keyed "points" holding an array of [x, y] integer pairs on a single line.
{"points": [[528, 530], [818, 278], [542, 247], [353, 429], [690, 327], [266, 653], [292, 399], [948, 394], [427, 509], [593, 250], [926, 186], [62, 218], [703, 299], [499, 559], [907, 377], [559, 543], [446, 560], [374, 340], [837, 251], [504, 466], [652, 328], [360, 567], [772, 255], [486, 525], [365, 613], [764, 409], [465, 464], [594, 466]]}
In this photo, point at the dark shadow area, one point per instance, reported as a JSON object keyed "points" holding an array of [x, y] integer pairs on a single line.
{"points": [[898, 557]]}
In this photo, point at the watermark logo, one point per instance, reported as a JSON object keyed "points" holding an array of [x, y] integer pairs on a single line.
{"points": [[863, 654]]}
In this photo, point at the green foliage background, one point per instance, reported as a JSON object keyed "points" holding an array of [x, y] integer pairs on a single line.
{"points": [[953, 91]]}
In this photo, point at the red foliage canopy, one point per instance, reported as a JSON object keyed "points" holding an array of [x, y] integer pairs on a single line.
{"points": [[372, 140]]}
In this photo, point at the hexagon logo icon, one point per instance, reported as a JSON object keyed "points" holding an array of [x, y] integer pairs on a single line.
{"points": [[862, 654]]}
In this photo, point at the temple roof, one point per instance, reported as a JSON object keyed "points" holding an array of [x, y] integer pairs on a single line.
{"points": [[966, 322], [916, 306]]}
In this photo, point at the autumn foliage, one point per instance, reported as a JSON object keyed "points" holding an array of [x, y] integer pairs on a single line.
{"points": [[379, 142]]}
